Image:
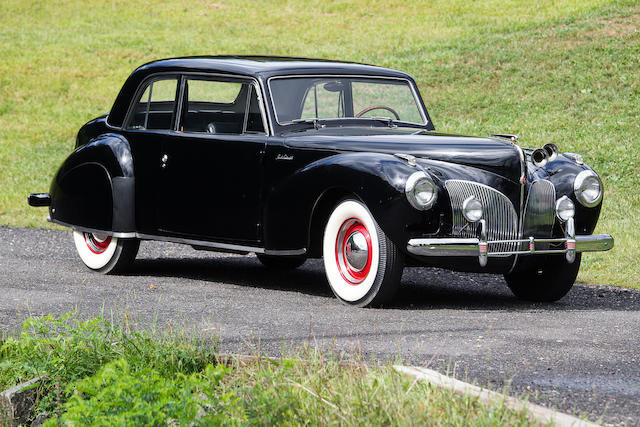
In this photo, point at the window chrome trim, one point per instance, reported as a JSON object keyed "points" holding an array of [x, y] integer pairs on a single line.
{"points": [[414, 91], [268, 130], [140, 91]]}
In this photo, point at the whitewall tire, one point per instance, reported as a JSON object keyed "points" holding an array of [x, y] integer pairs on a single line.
{"points": [[363, 266], [103, 253]]}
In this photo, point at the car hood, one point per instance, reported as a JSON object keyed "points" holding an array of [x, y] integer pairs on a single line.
{"points": [[491, 154]]}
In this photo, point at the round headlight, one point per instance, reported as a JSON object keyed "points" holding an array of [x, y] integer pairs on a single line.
{"points": [[565, 208], [421, 191], [588, 188], [472, 209]]}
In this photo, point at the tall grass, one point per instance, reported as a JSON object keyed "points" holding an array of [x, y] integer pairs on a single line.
{"points": [[99, 373]]}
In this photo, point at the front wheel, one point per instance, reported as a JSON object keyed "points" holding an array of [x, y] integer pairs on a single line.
{"points": [[105, 254], [546, 281], [363, 265]]}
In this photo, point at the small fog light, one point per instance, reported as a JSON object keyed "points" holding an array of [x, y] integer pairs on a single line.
{"points": [[472, 209], [565, 208]]}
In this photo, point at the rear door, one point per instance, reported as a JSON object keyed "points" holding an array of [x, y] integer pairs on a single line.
{"points": [[150, 123]]}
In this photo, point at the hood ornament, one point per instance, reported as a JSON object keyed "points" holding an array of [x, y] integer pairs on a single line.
{"points": [[509, 136], [411, 160]]}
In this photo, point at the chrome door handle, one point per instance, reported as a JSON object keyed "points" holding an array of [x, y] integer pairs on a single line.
{"points": [[164, 161]]}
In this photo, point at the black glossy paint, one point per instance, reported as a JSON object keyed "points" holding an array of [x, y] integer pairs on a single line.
{"points": [[275, 191]]}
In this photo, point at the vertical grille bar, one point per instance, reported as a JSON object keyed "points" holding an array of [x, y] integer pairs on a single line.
{"points": [[501, 217], [539, 213]]}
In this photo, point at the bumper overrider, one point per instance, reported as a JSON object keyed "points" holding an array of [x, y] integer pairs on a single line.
{"points": [[479, 247]]}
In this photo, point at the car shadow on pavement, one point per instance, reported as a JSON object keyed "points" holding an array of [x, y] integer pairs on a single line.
{"points": [[422, 288]]}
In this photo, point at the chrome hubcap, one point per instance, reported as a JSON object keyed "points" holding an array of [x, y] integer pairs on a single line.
{"points": [[97, 243], [357, 251], [353, 251]]}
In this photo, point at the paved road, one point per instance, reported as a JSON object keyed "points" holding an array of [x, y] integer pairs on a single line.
{"points": [[580, 355]]}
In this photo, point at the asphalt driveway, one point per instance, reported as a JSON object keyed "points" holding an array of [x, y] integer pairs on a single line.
{"points": [[579, 355]]}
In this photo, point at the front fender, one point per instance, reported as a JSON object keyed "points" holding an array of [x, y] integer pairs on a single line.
{"points": [[94, 187], [378, 180], [562, 173]]}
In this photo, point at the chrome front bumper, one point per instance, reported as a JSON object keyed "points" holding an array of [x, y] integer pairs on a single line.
{"points": [[568, 245], [479, 248]]}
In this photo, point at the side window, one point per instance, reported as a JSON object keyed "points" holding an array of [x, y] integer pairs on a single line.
{"points": [[156, 106], [324, 99], [220, 107]]}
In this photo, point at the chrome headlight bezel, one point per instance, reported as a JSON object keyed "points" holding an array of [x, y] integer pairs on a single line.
{"points": [[416, 181], [579, 187], [470, 205], [564, 204]]}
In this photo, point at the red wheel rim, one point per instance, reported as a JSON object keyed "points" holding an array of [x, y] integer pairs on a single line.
{"points": [[351, 243], [95, 244]]}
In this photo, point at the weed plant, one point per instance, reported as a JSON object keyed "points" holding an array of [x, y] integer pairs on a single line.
{"points": [[97, 373]]}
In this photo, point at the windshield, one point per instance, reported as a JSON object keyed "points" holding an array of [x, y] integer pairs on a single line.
{"points": [[327, 98]]}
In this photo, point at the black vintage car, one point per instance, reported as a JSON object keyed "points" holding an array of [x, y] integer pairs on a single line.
{"points": [[293, 158]]}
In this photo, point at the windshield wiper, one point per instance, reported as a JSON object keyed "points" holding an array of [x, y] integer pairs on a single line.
{"points": [[388, 120], [315, 121]]}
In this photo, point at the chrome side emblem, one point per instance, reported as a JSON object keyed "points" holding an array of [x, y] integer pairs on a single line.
{"points": [[284, 157]]}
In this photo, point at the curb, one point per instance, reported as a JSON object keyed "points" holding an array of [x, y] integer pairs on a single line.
{"points": [[542, 414]]}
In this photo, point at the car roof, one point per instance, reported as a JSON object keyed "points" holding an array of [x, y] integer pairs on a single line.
{"points": [[259, 67], [266, 66]]}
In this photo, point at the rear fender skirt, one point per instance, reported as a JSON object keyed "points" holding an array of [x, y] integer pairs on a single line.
{"points": [[95, 186]]}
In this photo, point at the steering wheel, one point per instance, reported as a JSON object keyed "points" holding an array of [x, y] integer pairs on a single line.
{"points": [[378, 107]]}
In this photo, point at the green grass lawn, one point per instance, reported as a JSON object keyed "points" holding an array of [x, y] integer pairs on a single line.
{"points": [[556, 70], [99, 373]]}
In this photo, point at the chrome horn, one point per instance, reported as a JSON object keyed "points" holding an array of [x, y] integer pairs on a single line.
{"points": [[539, 157], [552, 151]]}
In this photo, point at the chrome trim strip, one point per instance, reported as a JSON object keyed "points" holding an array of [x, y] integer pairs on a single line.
{"points": [[192, 242], [414, 90], [471, 246], [266, 121], [226, 246], [120, 235]]}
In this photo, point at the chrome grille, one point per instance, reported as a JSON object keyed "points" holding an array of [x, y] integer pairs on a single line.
{"points": [[501, 218], [540, 210]]}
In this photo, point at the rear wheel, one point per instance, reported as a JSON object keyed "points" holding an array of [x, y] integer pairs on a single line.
{"points": [[363, 265], [547, 281], [105, 254], [281, 262]]}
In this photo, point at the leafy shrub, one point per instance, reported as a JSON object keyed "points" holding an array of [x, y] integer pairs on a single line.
{"points": [[67, 349], [100, 374], [120, 395]]}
